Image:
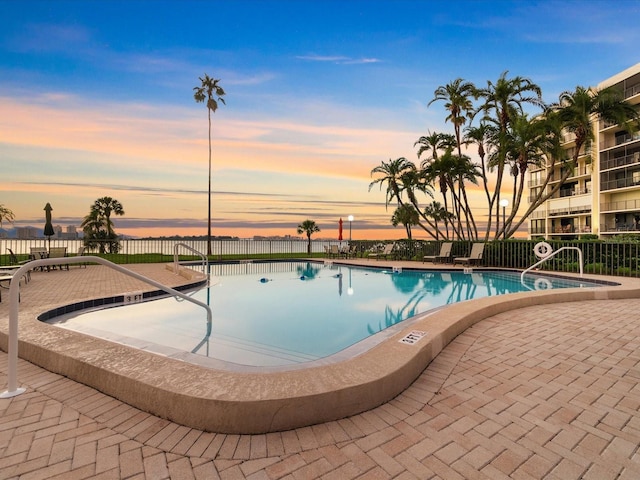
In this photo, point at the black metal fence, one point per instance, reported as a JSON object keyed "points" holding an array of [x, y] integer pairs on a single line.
{"points": [[600, 257]]}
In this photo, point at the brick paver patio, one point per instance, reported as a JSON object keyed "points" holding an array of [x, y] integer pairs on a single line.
{"points": [[540, 392]]}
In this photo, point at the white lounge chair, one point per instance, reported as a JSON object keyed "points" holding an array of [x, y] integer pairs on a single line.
{"points": [[444, 255], [474, 257]]}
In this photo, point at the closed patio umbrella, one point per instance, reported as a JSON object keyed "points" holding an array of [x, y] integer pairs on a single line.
{"points": [[48, 227]]}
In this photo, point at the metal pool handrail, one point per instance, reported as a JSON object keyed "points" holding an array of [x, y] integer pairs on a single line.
{"points": [[176, 263], [14, 297], [553, 254]]}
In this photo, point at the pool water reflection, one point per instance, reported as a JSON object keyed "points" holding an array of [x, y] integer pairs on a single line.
{"points": [[283, 313]]}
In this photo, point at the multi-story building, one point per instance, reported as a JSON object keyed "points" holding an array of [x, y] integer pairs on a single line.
{"points": [[602, 194]]}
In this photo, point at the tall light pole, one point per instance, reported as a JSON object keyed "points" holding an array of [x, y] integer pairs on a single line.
{"points": [[350, 218], [503, 203]]}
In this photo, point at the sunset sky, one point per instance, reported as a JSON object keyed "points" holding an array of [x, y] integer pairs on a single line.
{"points": [[96, 99]]}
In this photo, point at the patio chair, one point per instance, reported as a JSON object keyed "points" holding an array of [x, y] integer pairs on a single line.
{"points": [[444, 255], [474, 257], [334, 252], [13, 258], [59, 252], [38, 252], [388, 249]]}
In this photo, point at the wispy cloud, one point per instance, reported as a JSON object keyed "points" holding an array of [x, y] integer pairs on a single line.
{"points": [[338, 59]]}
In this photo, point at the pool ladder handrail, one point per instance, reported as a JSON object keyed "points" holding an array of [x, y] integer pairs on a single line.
{"points": [[14, 297], [553, 254], [176, 261]]}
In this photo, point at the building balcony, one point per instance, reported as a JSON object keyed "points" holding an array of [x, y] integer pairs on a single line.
{"points": [[632, 181], [620, 161], [632, 91], [620, 140], [620, 206]]}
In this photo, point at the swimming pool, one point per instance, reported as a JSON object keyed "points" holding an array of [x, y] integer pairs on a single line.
{"points": [[271, 314]]}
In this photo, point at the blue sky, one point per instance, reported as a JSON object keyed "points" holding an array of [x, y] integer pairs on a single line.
{"points": [[97, 100]]}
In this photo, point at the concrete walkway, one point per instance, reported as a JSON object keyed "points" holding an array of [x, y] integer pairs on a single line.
{"points": [[540, 392]]}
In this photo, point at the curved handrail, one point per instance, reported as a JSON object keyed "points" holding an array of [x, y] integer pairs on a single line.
{"points": [[553, 254], [14, 297], [176, 262]]}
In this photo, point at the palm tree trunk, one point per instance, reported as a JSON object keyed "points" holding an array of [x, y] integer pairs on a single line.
{"points": [[209, 192]]}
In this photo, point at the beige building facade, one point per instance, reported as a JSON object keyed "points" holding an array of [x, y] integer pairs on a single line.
{"points": [[602, 194]]}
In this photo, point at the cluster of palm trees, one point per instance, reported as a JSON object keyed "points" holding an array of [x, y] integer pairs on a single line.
{"points": [[98, 226], [509, 141]]}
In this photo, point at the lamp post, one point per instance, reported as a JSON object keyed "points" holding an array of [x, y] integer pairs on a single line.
{"points": [[503, 203], [350, 218]]}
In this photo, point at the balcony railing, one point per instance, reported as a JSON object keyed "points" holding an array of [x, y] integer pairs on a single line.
{"points": [[619, 183], [620, 161], [621, 140], [632, 91], [621, 206]]}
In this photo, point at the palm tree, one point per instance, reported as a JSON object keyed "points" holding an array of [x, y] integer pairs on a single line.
{"points": [[209, 90], [464, 171], [458, 103], [434, 142], [308, 227], [507, 97], [578, 110], [6, 215], [98, 226], [525, 143], [437, 212], [406, 215], [503, 101], [391, 175], [104, 207], [482, 136]]}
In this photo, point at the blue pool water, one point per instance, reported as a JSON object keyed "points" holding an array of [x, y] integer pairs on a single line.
{"points": [[283, 313]]}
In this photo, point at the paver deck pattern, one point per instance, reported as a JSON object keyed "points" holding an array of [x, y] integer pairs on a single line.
{"points": [[547, 392]]}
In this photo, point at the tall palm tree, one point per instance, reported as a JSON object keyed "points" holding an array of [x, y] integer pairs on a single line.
{"points": [[434, 142], [502, 101], [464, 171], [391, 174], [525, 144], [401, 176], [6, 215], [308, 227], [482, 136], [406, 215], [212, 92], [578, 110], [457, 96], [507, 97], [441, 172]]}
